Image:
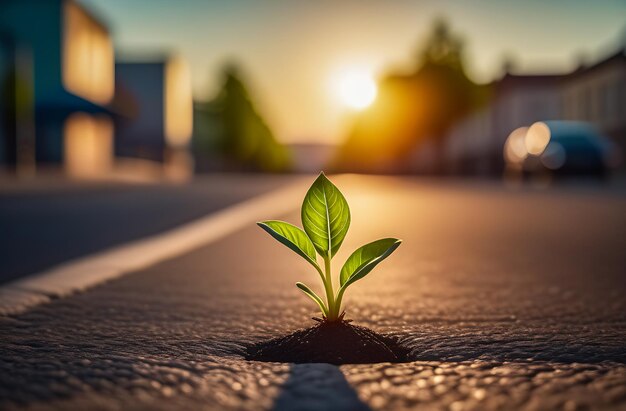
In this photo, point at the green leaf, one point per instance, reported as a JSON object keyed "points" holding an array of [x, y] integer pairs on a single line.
{"points": [[305, 289], [364, 259], [325, 216], [293, 237]]}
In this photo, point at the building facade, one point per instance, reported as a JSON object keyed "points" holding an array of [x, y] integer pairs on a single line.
{"points": [[58, 82], [595, 94], [160, 125]]}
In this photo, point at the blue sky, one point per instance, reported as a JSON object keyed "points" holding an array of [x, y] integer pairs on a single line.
{"points": [[291, 49]]}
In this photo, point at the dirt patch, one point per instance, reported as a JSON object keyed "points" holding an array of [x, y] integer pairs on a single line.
{"points": [[333, 343]]}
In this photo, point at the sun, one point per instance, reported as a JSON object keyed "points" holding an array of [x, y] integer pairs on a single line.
{"points": [[356, 88]]}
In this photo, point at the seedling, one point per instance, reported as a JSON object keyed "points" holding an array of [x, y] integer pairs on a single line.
{"points": [[326, 219]]}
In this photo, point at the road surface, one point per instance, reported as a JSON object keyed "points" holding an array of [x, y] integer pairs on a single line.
{"points": [[42, 227], [506, 299]]}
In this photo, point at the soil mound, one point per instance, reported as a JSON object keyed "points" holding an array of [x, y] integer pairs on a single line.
{"points": [[334, 343]]}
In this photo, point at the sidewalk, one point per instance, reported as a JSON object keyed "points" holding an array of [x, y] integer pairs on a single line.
{"points": [[505, 299]]}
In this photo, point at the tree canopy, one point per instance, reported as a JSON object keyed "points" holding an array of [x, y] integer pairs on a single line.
{"points": [[413, 107], [231, 130]]}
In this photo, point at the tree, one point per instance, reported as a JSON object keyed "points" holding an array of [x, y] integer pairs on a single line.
{"points": [[413, 108], [231, 128]]}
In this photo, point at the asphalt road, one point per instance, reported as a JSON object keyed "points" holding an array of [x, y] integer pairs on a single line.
{"points": [[507, 299], [42, 226]]}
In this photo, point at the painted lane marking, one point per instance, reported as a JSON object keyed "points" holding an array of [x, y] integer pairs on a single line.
{"points": [[86, 272]]}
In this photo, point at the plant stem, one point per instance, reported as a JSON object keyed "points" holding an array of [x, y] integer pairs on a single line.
{"points": [[328, 286], [337, 302]]}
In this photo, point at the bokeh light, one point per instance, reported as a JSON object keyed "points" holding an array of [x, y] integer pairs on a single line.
{"points": [[537, 138], [515, 146]]}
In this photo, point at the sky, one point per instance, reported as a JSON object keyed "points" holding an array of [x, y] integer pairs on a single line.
{"points": [[292, 51]]}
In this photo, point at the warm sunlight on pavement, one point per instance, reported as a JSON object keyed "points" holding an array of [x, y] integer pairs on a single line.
{"points": [[151, 152]]}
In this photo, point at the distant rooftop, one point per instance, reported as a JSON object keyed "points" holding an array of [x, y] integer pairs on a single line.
{"points": [[514, 80]]}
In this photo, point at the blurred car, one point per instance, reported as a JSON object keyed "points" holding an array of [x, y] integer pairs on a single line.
{"points": [[560, 148]]}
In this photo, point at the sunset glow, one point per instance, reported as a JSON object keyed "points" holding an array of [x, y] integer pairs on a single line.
{"points": [[356, 89]]}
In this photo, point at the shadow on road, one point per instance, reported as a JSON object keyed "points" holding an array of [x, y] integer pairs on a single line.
{"points": [[317, 387]]}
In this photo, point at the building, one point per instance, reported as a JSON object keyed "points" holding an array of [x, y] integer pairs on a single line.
{"points": [[595, 94], [468, 143], [159, 127], [57, 70]]}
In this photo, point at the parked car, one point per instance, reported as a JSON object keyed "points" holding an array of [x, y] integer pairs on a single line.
{"points": [[560, 148]]}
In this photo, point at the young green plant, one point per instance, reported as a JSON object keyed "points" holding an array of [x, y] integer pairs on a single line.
{"points": [[326, 219]]}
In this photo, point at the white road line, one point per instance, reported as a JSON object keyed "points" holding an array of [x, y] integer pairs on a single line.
{"points": [[80, 274]]}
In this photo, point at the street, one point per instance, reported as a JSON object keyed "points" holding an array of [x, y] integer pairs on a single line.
{"points": [[505, 297], [43, 227]]}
